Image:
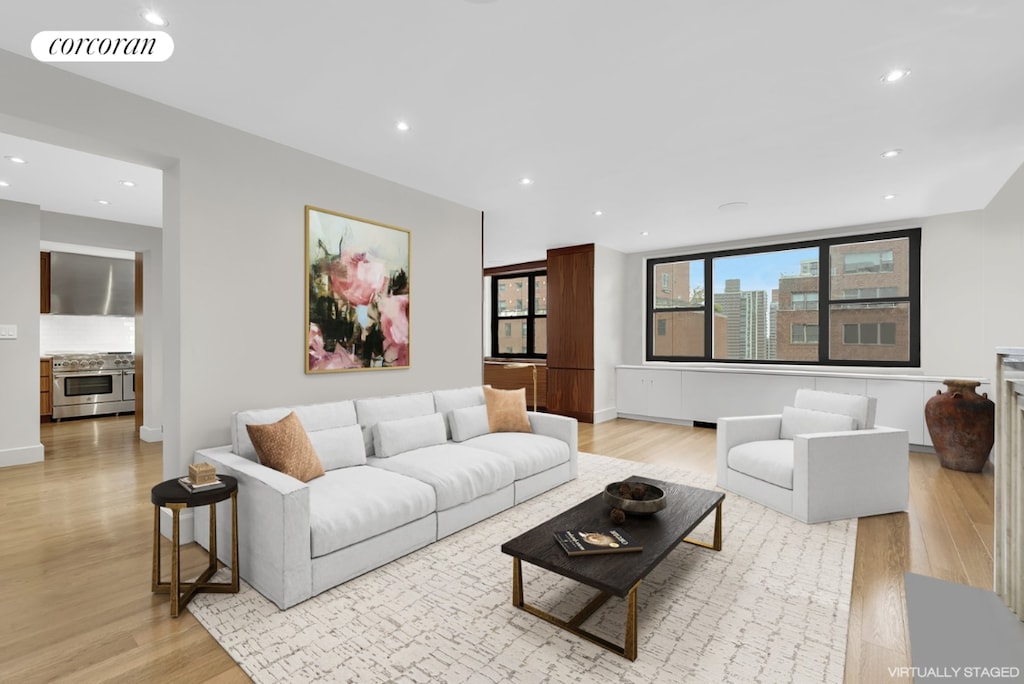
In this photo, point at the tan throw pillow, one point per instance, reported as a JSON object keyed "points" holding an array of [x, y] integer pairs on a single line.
{"points": [[285, 446], [506, 410]]}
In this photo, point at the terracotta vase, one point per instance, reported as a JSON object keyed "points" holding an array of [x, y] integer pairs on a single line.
{"points": [[962, 425]]}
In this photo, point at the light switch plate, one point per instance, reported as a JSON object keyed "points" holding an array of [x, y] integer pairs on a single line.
{"points": [[8, 332]]}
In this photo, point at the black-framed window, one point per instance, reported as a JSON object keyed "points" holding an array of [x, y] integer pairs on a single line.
{"points": [[519, 307], [851, 300]]}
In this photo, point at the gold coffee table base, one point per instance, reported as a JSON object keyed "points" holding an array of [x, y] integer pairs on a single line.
{"points": [[574, 624]]}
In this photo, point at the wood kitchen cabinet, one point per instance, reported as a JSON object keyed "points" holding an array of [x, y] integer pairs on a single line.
{"points": [[45, 389], [44, 282]]}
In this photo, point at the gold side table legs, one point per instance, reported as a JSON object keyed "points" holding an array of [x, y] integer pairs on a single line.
{"points": [[182, 592]]}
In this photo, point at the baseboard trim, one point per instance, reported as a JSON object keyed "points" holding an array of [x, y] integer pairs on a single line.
{"points": [[21, 455], [654, 419], [151, 434], [604, 415]]}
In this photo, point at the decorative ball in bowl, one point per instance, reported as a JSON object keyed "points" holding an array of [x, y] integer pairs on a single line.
{"points": [[636, 498]]}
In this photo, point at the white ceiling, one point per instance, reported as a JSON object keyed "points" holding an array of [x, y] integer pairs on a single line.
{"points": [[655, 112]]}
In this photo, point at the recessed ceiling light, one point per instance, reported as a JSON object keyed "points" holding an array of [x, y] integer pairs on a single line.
{"points": [[889, 154], [103, 202], [895, 75], [645, 233], [4, 184], [127, 183], [888, 197], [526, 181], [598, 213], [153, 18], [402, 126], [15, 160]]}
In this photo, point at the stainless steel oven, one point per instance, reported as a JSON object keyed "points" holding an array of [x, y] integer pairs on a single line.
{"points": [[128, 385], [91, 384]]}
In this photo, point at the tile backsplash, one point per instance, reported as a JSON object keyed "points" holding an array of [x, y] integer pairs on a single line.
{"points": [[86, 333]]}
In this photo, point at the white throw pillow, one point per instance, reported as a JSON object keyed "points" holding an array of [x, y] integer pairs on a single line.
{"points": [[469, 422], [339, 447], [796, 421], [392, 437]]}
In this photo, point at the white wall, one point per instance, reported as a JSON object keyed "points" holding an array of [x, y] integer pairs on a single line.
{"points": [[19, 358], [610, 271], [970, 285], [233, 254]]}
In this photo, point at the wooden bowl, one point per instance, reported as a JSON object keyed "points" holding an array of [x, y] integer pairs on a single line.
{"points": [[653, 501]]}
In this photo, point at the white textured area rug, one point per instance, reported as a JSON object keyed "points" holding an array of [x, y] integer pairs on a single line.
{"points": [[771, 606]]}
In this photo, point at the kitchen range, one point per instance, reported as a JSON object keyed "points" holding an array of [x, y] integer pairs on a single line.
{"points": [[92, 383]]}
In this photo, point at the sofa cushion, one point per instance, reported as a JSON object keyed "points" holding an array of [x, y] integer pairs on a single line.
{"points": [[393, 437], [770, 461], [857, 406], [506, 410], [446, 401], [314, 417], [457, 473], [349, 505], [469, 422], [372, 411], [798, 421], [530, 454], [339, 447], [284, 446]]}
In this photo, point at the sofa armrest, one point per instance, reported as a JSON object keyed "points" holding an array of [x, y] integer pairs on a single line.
{"points": [[851, 474], [733, 431], [559, 427], [273, 527]]}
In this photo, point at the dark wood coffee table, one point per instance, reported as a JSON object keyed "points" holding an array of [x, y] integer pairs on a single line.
{"points": [[613, 574]]}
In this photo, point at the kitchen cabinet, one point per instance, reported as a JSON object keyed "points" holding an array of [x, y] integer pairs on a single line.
{"points": [[45, 388], [44, 282]]}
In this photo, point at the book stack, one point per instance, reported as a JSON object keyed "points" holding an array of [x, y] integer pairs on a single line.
{"points": [[201, 478]]}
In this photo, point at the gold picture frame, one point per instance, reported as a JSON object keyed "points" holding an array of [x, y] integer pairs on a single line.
{"points": [[357, 293]]}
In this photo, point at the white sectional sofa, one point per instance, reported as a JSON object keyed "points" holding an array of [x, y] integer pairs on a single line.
{"points": [[401, 472]]}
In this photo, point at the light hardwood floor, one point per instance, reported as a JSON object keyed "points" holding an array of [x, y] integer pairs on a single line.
{"points": [[76, 536]]}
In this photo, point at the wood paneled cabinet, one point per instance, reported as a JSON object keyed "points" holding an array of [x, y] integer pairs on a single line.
{"points": [[45, 388], [571, 332], [44, 282]]}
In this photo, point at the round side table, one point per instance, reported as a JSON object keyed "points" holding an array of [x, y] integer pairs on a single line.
{"points": [[170, 494]]}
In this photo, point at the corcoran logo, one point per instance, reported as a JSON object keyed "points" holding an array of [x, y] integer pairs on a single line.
{"points": [[102, 46]]}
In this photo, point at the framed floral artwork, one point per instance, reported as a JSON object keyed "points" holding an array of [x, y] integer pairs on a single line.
{"points": [[357, 295]]}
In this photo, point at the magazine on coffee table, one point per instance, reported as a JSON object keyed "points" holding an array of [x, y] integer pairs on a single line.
{"points": [[591, 542]]}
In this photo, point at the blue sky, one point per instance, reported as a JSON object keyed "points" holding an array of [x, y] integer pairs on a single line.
{"points": [[760, 271]]}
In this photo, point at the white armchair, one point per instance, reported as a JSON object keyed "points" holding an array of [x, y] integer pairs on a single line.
{"points": [[821, 459]]}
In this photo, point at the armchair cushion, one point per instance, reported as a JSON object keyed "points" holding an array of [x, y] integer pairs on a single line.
{"points": [[800, 421], [858, 407], [770, 461]]}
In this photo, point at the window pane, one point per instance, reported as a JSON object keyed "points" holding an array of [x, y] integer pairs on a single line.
{"points": [[510, 291], [540, 332], [762, 297], [511, 338], [870, 333], [677, 284], [863, 270], [540, 295], [679, 333]]}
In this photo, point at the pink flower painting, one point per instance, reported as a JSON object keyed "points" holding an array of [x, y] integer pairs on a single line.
{"points": [[358, 293]]}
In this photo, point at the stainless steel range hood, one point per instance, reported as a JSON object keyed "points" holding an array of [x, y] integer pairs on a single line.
{"points": [[86, 285]]}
